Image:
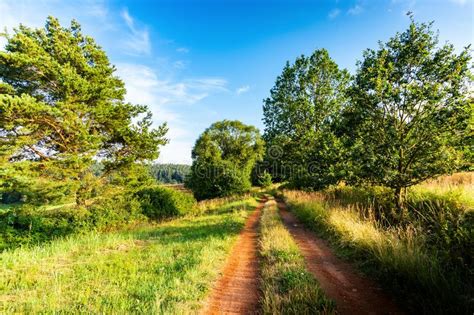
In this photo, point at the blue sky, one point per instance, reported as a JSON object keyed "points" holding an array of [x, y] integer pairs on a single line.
{"points": [[196, 62]]}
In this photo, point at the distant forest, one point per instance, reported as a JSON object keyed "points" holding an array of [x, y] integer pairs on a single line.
{"points": [[170, 173]]}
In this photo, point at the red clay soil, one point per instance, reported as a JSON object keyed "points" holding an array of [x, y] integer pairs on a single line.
{"points": [[237, 290], [352, 292]]}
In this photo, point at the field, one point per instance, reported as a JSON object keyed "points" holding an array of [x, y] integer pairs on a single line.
{"points": [[172, 266], [160, 268]]}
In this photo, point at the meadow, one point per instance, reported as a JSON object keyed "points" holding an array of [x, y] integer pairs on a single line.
{"points": [[418, 257], [155, 268]]}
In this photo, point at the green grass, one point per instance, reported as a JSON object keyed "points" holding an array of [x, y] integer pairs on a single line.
{"points": [[165, 268], [399, 256], [287, 287]]}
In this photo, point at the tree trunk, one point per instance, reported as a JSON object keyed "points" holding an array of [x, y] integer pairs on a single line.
{"points": [[400, 201]]}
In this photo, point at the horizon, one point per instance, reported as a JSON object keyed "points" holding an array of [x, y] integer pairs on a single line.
{"points": [[227, 65]]}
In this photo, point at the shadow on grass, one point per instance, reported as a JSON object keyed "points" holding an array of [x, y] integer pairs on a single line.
{"points": [[190, 231]]}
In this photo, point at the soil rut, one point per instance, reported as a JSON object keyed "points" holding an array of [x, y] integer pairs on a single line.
{"points": [[353, 293], [237, 290]]}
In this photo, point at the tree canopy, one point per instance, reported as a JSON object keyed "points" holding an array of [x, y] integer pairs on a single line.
{"points": [[300, 118], [62, 107], [223, 158], [409, 110]]}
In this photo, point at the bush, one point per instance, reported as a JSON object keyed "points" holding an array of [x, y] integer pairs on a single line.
{"points": [[30, 224], [265, 180], [159, 202], [219, 179]]}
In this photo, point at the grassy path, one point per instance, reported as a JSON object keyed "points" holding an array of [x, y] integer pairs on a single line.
{"points": [[165, 268], [237, 290], [353, 293], [287, 286]]}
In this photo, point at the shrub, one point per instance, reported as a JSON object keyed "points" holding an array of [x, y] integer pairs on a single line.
{"points": [[265, 180], [30, 224], [218, 179], [159, 202]]}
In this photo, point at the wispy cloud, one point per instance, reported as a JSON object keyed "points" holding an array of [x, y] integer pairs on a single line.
{"points": [[242, 89], [182, 50], [138, 40], [164, 97], [355, 10], [334, 13], [145, 87], [33, 13]]}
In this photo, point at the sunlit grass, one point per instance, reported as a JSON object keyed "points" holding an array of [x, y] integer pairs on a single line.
{"points": [[165, 268], [397, 254], [287, 287]]}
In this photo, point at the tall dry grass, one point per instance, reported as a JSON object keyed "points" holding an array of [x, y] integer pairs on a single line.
{"points": [[426, 258]]}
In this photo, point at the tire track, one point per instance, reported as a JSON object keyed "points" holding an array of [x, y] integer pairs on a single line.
{"points": [[352, 292], [237, 290]]}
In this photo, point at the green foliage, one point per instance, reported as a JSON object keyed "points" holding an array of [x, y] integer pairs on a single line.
{"points": [[223, 159], [409, 110], [301, 117], [170, 173], [265, 180], [32, 224], [159, 202], [29, 224], [61, 107], [444, 219], [165, 268]]}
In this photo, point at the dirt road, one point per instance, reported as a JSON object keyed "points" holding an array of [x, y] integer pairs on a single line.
{"points": [[237, 291], [352, 292]]}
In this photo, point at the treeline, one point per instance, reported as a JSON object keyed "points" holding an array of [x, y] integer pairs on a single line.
{"points": [[405, 116], [170, 173]]}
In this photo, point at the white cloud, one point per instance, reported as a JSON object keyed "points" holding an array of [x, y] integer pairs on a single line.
{"points": [[176, 151], [138, 41], [355, 10], [183, 50], [334, 13], [144, 86], [33, 13], [242, 89]]}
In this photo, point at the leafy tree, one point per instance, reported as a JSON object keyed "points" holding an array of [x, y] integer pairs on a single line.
{"points": [[301, 117], [62, 108], [265, 180], [409, 110], [223, 158]]}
